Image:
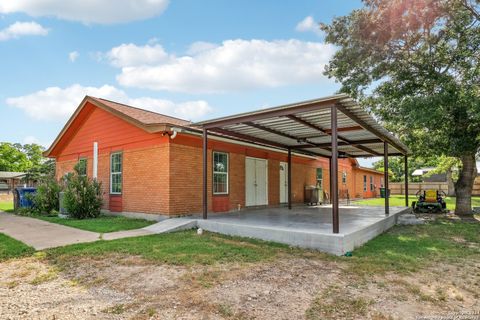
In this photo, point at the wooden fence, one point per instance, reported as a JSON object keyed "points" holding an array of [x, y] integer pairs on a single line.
{"points": [[476, 187], [414, 187]]}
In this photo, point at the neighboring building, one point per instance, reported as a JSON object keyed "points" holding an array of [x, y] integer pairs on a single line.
{"points": [[152, 163], [437, 177], [8, 182]]}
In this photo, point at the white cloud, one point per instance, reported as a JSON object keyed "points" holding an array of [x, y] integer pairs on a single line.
{"points": [[186, 110], [127, 55], [30, 140], [234, 65], [309, 25], [56, 103], [87, 11], [73, 56], [200, 46], [19, 29], [33, 139]]}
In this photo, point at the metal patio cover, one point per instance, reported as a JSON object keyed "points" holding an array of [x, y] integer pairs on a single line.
{"points": [[305, 127]]}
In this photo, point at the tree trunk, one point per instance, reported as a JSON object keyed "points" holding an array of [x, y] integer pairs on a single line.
{"points": [[451, 184], [464, 184]]}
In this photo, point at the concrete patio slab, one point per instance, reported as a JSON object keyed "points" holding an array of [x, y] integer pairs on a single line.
{"points": [[307, 227], [42, 234]]}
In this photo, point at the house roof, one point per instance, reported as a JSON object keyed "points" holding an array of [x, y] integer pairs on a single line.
{"points": [[370, 170], [306, 127], [147, 120], [421, 171], [11, 174], [144, 116]]}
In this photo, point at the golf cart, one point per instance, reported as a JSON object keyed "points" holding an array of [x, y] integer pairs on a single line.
{"points": [[430, 201]]}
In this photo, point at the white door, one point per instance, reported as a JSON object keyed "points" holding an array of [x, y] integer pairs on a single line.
{"points": [[283, 182], [256, 182]]}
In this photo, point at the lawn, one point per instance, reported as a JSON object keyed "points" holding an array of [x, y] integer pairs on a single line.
{"points": [[179, 248], [402, 249], [6, 206], [399, 200], [102, 224], [409, 248], [11, 248]]}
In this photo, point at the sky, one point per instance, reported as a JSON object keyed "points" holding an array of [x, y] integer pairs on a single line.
{"points": [[191, 59]]}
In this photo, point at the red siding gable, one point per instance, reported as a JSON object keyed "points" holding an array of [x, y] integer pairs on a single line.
{"points": [[111, 132]]}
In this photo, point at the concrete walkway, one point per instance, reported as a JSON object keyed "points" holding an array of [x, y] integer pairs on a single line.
{"points": [[41, 234]]}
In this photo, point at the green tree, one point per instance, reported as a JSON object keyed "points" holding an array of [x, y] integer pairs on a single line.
{"points": [[12, 158], [25, 158], [415, 65]]}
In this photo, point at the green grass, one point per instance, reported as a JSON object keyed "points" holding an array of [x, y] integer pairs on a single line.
{"points": [[408, 248], [179, 248], [6, 206], [11, 248], [102, 224], [399, 200], [402, 249]]}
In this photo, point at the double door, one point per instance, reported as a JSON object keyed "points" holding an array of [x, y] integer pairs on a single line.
{"points": [[256, 184]]}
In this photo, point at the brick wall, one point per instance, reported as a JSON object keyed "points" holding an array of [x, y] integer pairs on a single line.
{"points": [[145, 179], [358, 187], [186, 175]]}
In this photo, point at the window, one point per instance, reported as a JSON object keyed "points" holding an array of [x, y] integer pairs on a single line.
{"points": [[116, 173], [364, 183], [344, 177], [220, 173], [381, 182], [319, 178], [82, 166], [371, 184]]}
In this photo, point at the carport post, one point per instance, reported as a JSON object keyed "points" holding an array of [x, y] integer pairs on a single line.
{"points": [[205, 173], [330, 176], [385, 175], [406, 180], [334, 172], [289, 161]]}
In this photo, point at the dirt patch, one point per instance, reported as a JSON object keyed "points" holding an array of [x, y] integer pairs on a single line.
{"points": [[32, 289], [116, 287]]}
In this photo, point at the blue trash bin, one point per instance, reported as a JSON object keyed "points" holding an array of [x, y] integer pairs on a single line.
{"points": [[22, 199]]}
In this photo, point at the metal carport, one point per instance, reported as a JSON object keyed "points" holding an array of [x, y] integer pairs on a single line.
{"points": [[332, 127]]}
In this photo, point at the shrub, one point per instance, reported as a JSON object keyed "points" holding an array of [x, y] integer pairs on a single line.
{"points": [[83, 196], [45, 200]]}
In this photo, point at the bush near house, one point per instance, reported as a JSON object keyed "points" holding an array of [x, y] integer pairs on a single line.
{"points": [[83, 196], [45, 200]]}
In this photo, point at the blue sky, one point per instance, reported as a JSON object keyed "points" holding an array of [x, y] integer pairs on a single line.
{"points": [[192, 59]]}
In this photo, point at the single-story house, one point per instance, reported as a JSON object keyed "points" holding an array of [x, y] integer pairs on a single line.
{"points": [[152, 163], [437, 177], [8, 182]]}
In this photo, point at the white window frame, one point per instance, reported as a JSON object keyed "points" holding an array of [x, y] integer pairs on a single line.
{"points": [[364, 182], [227, 173], [344, 177], [319, 181], [372, 184], [120, 172], [86, 166]]}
